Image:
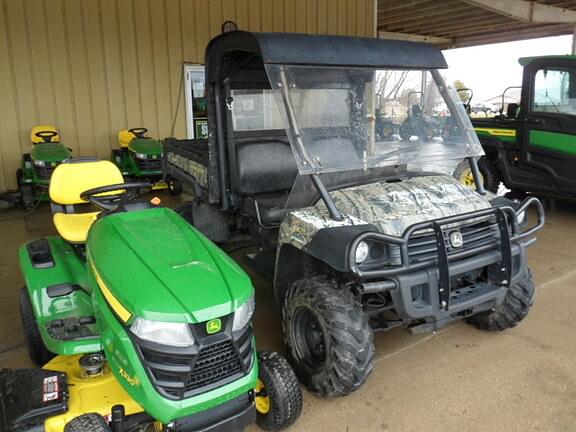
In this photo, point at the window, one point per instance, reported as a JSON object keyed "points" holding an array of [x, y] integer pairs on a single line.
{"points": [[196, 109], [554, 91]]}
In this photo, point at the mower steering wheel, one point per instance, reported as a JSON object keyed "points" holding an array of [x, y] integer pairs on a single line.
{"points": [[111, 202], [46, 135], [139, 132]]}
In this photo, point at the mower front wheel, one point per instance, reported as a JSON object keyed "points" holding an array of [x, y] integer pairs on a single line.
{"points": [[278, 397], [327, 332], [90, 422], [38, 352]]}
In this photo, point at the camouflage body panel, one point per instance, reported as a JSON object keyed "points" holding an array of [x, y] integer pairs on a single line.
{"points": [[191, 167], [392, 207]]}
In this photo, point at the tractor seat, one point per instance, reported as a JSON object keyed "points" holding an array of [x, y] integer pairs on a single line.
{"points": [[68, 181], [124, 138]]}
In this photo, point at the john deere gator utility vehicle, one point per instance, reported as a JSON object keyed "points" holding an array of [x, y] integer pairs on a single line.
{"points": [[141, 322], [358, 234], [33, 177], [531, 146], [140, 158]]}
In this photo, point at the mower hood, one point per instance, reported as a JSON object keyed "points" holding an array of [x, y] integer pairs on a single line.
{"points": [[158, 267], [147, 146], [50, 152]]}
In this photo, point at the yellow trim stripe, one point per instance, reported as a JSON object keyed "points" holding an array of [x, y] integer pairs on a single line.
{"points": [[498, 132], [116, 306]]}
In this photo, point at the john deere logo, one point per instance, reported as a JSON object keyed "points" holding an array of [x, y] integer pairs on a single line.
{"points": [[213, 326], [456, 239]]}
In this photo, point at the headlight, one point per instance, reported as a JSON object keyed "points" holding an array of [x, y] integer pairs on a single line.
{"points": [[243, 315], [362, 252], [173, 334], [141, 156], [39, 163]]}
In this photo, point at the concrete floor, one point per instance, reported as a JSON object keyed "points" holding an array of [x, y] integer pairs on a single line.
{"points": [[459, 378]]}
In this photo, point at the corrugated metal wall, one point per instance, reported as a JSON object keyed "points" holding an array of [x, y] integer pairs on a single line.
{"points": [[93, 67]]}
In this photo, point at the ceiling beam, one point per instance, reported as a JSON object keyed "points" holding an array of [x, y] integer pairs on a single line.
{"points": [[414, 37], [527, 11]]}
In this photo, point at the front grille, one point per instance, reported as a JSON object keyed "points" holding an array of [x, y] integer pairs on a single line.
{"points": [[44, 172], [219, 360], [483, 233], [149, 164]]}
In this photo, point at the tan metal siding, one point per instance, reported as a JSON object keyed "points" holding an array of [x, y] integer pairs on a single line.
{"points": [[93, 67]]}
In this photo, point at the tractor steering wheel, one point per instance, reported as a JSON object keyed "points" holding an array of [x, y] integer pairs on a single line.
{"points": [[46, 135], [139, 132], [113, 201]]}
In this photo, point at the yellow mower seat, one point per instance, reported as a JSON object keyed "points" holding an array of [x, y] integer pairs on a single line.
{"points": [[124, 138], [68, 181], [46, 128]]}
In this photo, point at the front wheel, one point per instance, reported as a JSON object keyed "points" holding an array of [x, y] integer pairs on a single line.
{"points": [[90, 422], [514, 309], [278, 397], [328, 336]]}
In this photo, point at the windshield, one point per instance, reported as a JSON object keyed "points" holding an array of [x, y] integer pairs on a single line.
{"points": [[342, 119]]}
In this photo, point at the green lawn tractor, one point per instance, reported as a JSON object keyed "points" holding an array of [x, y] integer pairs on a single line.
{"points": [[37, 166], [140, 158], [531, 146], [140, 321], [356, 231]]}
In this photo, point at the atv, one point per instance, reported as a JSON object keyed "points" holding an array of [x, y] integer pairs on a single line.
{"points": [[140, 158], [33, 177], [357, 234], [139, 320]]}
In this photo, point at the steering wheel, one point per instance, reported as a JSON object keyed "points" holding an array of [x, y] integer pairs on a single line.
{"points": [[113, 201], [46, 135], [139, 132]]}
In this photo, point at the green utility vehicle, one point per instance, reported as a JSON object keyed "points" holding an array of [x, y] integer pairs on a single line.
{"points": [[357, 233], [33, 177], [140, 158], [140, 321], [532, 146]]}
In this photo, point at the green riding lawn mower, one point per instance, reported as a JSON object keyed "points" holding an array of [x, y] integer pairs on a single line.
{"points": [[140, 322], [140, 158], [357, 231], [33, 177], [531, 146]]}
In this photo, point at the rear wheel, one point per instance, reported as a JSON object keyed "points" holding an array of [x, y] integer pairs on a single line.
{"points": [[514, 309], [490, 174], [38, 352], [278, 397], [90, 422], [328, 335]]}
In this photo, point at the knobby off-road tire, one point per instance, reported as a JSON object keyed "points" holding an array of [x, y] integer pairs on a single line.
{"points": [[490, 174], [90, 422], [37, 351], [328, 336], [282, 390], [516, 306]]}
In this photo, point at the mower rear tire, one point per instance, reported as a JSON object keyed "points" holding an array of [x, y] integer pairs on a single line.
{"points": [[90, 422], [328, 336], [280, 392], [37, 351], [514, 309]]}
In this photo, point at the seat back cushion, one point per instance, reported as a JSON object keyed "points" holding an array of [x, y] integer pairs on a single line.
{"points": [[265, 166], [70, 179]]}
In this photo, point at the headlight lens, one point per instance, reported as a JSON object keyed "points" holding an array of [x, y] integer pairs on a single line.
{"points": [[173, 334], [39, 163], [141, 156], [243, 314], [362, 252]]}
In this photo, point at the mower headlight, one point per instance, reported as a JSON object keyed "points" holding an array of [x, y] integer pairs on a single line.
{"points": [[141, 156], [243, 314], [39, 163], [165, 333]]}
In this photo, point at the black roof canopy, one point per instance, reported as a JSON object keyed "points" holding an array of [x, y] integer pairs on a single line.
{"points": [[256, 49]]}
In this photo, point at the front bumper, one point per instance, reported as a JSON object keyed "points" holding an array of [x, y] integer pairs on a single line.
{"points": [[454, 282]]}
